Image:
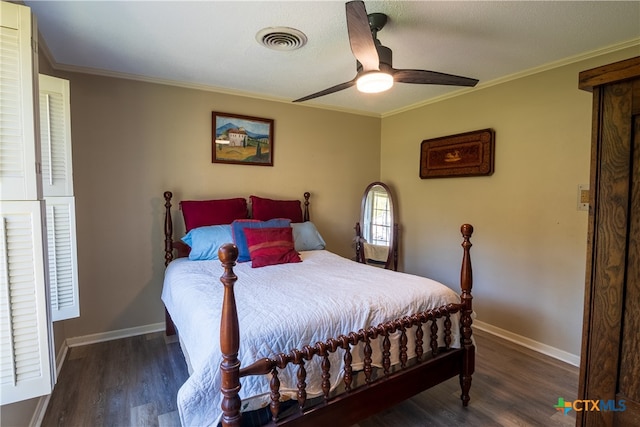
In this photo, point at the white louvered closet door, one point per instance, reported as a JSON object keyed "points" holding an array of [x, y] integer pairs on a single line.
{"points": [[26, 351], [26, 357], [55, 137], [57, 186], [19, 173], [63, 271]]}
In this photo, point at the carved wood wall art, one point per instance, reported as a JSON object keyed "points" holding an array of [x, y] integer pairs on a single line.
{"points": [[464, 154]]}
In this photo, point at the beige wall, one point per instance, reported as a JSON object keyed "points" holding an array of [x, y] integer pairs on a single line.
{"points": [[530, 239], [134, 140]]}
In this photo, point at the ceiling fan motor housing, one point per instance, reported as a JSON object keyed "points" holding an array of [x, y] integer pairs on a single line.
{"points": [[377, 22], [386, 59]]}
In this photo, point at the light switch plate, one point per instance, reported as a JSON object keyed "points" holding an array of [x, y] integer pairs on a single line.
{"points": [[583, 197]]}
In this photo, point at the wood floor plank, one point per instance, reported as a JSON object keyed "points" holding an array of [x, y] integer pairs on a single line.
{"points": [[144, 415], [134, 382], [170, 419]]}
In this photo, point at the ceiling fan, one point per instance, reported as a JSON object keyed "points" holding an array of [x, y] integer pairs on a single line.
{"points": [[374, 61]]}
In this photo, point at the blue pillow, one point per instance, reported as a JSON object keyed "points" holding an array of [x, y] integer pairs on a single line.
{"points": [[306, 237], [205, 241], [239, 238]]}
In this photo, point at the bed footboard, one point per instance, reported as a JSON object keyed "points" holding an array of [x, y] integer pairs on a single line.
{"points": [[359, 402]]}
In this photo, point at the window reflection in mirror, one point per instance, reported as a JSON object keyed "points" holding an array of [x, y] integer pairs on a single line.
{"points": [[376, 233], [377, 217]]}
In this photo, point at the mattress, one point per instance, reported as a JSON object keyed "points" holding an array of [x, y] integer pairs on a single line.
{"points": [[280, 308]]}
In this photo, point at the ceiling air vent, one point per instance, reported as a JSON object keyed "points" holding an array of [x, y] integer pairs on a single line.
{"points": [[281, 38]]}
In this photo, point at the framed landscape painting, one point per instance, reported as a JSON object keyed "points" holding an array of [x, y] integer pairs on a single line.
{"points": [[242, 140]]}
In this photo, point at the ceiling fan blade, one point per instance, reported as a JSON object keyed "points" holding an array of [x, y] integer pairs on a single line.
{"points": [[360, 37], [332, 89], [431, 77]]}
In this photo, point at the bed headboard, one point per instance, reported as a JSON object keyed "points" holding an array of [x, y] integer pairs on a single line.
{"points": [[181, 248]]}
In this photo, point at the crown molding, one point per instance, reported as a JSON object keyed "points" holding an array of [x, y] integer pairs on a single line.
{"points": [[208, 88], [546, 67]]}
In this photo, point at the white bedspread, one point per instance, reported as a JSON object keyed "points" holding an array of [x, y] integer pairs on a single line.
{"points": [[280, 308]]}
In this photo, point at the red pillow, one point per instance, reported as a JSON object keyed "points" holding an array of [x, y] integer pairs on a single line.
{"points": [[199, 213], [266, 209], [270, 246]]}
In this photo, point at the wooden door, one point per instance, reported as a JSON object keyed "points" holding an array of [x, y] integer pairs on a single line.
{"points": [[629, 372], [610, 362]]}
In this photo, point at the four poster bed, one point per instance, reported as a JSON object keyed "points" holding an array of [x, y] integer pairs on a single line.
{"points": [[298, 335]]}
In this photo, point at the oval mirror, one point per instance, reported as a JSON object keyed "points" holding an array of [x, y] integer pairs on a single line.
{"points": [[377, 231]]}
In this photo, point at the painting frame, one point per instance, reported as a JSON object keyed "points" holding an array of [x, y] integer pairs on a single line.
{"points": [[241, 140], [463, 154]]}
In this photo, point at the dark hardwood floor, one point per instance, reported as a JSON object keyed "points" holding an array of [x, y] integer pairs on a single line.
{"points": [[512, 386], [134, 382], [125, 382]]}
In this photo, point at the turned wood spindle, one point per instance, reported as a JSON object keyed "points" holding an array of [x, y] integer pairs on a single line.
{"points": [[229, 340], [466, 283], [168, 229]]}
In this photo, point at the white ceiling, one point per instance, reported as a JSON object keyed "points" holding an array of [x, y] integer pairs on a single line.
{"points": [[212, 44]]}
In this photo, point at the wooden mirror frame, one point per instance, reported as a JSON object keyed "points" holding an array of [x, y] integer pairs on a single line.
{"points": [[392, 256]]}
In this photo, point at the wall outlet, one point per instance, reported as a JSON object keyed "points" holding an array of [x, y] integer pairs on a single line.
{"points": [[583, 197]]}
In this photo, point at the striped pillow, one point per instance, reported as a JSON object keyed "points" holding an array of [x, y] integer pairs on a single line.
{"points": [[239, 226], [271, 246]]}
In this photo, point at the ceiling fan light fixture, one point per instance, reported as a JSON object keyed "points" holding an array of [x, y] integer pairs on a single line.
{"points": [[374, 65], [374, 82]]}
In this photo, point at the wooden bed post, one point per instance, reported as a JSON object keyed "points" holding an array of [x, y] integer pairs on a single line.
{"points": [[359, 248], [229, 340], [168, 229], [169, 328], [466, 282], [305, 211]]}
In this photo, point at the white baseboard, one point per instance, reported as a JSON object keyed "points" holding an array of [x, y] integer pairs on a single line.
{"points": [[62, 354], [114, 335], [38, 413], [43, 402], [556, 353]]}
